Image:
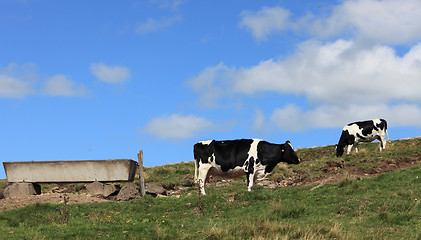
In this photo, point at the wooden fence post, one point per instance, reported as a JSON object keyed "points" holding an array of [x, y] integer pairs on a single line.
{"points": [[141, 173]]}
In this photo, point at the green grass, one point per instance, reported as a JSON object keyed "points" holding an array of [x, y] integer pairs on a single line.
{"points": [[176, 174], [383, 207], [386, 206], [368, 158]]}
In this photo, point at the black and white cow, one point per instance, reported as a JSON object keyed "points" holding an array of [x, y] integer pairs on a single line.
{"points": [[234, 158], [365, 131]]}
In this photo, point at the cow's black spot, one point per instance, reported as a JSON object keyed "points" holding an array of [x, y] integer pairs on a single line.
{"points": [[367, 130], [346, 139], [382, 125], [269, 168], [366, 127], [231, 153], [361, 137]]}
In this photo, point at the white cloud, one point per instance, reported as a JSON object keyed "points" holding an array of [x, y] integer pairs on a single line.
{"points": [[176, 127], [333, 77], [14, 88], [22, 81], [376, 21], [59, 85], [110, 74], [265, 21], [17, 81], [336, 73], [210, 83], [153, 25], [385, 21]]}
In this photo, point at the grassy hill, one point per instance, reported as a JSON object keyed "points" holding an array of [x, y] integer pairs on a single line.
{"points": [[318, 165], [371, 195]]}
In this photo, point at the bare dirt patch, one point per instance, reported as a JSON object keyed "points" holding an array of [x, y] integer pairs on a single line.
{"points": [[12, 203], [334, 172]]}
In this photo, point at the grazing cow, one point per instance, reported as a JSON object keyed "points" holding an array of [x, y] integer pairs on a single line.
{"points": [[234, 158], [365, 131]]}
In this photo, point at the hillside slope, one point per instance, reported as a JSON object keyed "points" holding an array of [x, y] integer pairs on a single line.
{"points": [[319, 166]]}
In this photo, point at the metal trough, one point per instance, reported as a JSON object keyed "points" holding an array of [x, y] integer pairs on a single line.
{"points": [[71, 171]]}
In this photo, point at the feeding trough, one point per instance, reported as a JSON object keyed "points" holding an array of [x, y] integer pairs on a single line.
{"points": [[115, 170]]}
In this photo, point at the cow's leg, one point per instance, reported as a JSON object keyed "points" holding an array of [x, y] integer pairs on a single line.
{"points": [[356, 147], [251, 174], [250, 181], [349, 149], [203, 172], [382, 143]]}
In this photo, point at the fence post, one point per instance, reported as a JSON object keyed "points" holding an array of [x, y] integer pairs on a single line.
{"points": [[141, 173]]}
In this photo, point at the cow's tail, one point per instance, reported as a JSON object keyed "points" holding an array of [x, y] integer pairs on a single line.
{"points": [[385, 129]]}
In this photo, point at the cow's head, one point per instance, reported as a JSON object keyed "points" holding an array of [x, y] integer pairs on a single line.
{"points": [[288, 154], [346, 139], [339, 150]]}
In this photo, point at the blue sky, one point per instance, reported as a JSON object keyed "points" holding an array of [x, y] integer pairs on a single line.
{"points": [[103, 79]]}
